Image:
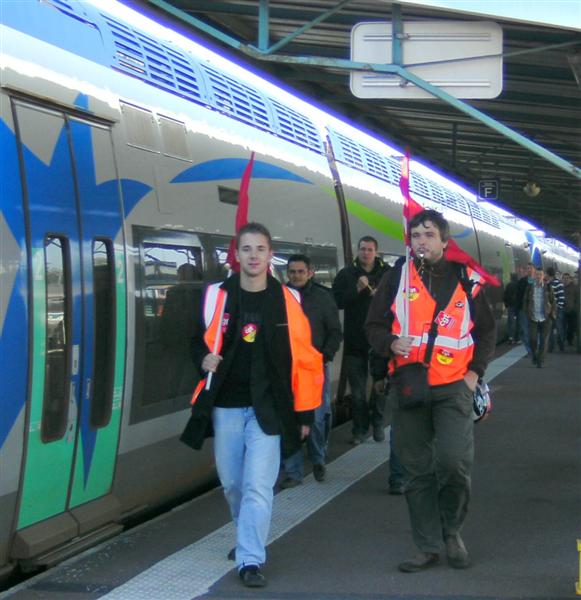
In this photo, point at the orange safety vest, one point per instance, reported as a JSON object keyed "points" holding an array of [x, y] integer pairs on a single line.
{"points": [[454, 346], [307, 375]]}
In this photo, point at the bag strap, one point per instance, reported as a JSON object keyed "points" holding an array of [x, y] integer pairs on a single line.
{"points": [[466, 284]]}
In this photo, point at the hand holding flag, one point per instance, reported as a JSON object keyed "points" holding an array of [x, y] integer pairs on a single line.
{"points": [[453, 252]]}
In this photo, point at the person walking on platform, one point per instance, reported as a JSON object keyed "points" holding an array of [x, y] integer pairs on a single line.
{"points": [[510, 302], [451, 320], [539, 304], [380, 376], [266, 380], [558, 328], [321, 310], [522, 317], [571, 307], [353, 289]]}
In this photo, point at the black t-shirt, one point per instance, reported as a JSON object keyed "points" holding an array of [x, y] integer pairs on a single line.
{"points": [[235, 391]]}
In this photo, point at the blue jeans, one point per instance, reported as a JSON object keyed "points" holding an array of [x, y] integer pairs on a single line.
{"points": [[364, 412], [523, 322], [318, 437], [248, 461]]}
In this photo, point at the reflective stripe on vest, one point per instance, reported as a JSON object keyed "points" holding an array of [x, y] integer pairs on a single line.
{"points": [[454, 346], [307, 375]]}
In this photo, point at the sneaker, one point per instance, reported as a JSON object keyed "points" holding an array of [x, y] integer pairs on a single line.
{"points": [[456, 551], [232, 554], [357, 439], [252, 577], [289, 482], [319, 472], [378, 433], [396, 489], [420, 562]]}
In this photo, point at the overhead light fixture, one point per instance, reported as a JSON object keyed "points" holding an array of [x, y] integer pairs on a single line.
{"points": [[532, 189], [574, 59]]}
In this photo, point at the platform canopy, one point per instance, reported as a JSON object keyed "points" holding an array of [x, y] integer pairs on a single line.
{"points": [[306, 46]]}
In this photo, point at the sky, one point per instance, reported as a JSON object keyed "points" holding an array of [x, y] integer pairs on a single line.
{"points": [[562, 13]]}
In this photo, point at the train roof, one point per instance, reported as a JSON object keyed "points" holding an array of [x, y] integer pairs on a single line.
{"points": [[541, 97]]}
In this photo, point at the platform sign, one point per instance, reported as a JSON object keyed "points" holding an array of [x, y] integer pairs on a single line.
{"points": [[488, 189], [463, 58]]}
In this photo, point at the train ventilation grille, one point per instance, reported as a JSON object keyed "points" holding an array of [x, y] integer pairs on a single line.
{"points": [[363, 159], [145, 58], [484, 215], [296, 128], [236, 99]]}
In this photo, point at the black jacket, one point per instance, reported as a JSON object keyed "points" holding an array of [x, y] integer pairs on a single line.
{"points": [[271, 374], [356, 303], [321, 310]]}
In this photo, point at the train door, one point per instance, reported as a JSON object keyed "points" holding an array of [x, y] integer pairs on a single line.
{"points": [[77, 313]]}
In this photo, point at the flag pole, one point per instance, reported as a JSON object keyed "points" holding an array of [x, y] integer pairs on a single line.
{"points": [[241, 220]]}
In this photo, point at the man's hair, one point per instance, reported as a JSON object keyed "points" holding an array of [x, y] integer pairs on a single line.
{"points": [[436, 219], [368, 238], [530, 264], [299, 258], [550, 271], [253, 227], [568, 274]]}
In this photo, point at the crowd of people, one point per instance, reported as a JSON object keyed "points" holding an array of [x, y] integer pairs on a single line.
{"points": [[264, 352], [542, 311]]}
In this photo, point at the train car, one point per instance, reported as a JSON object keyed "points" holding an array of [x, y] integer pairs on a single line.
{"points": [[123, 146]]}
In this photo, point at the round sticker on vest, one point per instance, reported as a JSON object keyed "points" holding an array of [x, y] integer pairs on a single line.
{"points": [[414, 293], [444, 357], [249, 332]]}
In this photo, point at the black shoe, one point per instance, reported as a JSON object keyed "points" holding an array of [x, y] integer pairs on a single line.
{"points": [[232, 554], [396, 489], [378, 433], [539, 364], [357, 439], [319, 472], [252, 577], [289, 482], [420, 562]]}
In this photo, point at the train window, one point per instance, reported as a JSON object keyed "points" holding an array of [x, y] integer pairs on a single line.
{"points": [[139, 124], [173, 138], [168, 310], [57, 350], [104, 332]]}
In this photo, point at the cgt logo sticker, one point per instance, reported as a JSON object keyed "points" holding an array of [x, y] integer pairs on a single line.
{"points": [[444, 357], [249, 333], [414, 293], [445, 320]]}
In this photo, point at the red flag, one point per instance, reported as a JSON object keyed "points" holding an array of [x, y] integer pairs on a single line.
{"points": [[453, 252], [241, 213]]}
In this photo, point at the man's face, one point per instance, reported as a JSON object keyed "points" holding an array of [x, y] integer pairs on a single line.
{"points": [[566, 279], [254, 254], [530, 271], [427, 241], [298, 274], [366, 253], [539, 275]]}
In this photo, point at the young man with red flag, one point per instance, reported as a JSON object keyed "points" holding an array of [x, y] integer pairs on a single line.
{"points": [[423, 308], [268, 380]]}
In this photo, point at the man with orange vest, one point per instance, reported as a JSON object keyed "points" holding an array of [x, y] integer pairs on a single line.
{"points": [[449, 314], [266, 382]]}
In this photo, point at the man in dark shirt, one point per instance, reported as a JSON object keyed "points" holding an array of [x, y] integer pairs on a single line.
{"points": [[522, 317], [321, 310], [353, 289], [267, 380], [558, 325], [434, 441]]}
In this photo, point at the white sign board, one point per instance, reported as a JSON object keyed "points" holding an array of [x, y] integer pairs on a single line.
{"points": [[461, 57]]}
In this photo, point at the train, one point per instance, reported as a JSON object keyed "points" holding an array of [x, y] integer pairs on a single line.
{"points": [[123, 146]]}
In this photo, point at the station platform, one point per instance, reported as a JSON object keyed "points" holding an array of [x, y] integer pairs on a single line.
{"points": [[343, 538]]}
